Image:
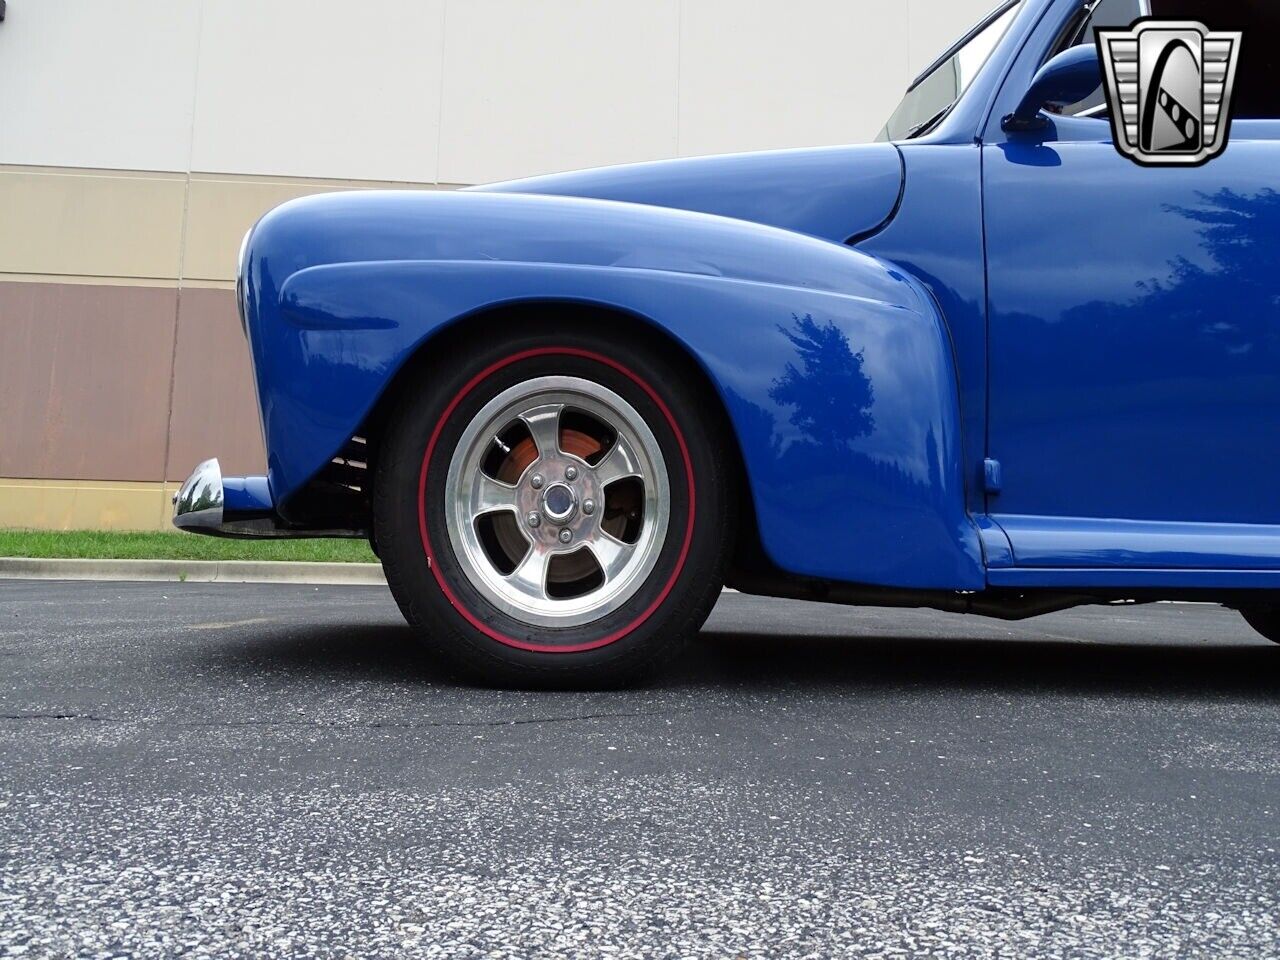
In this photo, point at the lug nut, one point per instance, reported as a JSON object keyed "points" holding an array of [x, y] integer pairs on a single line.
{"points": [[536, 481], [534, 518], [588, 507], [571, 473], [565, 535]]}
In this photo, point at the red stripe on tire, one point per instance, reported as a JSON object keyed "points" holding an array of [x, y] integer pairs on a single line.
{"points": [[470, 617]]}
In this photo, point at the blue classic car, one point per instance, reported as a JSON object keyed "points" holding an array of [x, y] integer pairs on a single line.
{"points": [[987, 364]]}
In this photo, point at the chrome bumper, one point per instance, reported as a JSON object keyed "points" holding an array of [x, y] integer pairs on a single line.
{"points": [[231, 507], [242, 507]]}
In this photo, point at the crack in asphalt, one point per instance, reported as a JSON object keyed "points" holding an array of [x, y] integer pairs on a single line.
{"points": [[373, 725]]}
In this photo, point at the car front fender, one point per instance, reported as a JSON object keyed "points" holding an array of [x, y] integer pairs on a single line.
{"points": [[835, 369]]}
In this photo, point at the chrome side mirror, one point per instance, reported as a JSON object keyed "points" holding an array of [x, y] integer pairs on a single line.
{"points": [[1067, 78]]}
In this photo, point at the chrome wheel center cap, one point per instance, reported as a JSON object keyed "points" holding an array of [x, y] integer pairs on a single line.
{"points": [[559, 503]]}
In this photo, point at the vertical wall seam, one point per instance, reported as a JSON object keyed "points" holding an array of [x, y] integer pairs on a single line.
{"points": [[182, 253], [444, 27], [907, 57], [679, 66]]}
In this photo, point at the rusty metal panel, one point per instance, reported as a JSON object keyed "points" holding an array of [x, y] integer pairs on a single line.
{"points": [[214, 410], [84, 380]]}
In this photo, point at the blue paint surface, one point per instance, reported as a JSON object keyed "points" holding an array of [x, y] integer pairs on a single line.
{"points": [[829, 192], [246, 495]]}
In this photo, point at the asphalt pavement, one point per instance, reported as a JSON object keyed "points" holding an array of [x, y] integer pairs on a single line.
{"points": [[275, 770]]}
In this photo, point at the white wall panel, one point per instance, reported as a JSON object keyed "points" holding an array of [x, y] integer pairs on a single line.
{"points": [[87, 83], [936, 24], [319, 88], [532, 87], [456, 91], [757, 74]]}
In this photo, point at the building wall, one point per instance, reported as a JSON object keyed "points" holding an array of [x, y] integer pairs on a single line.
{"points": [[140, 138]]}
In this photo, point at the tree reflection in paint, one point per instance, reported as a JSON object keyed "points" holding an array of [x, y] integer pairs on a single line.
{"points": [[830, 393], [1238, 234]]}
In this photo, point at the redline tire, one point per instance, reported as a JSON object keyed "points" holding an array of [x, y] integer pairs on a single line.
{"points": [[468, 611]]}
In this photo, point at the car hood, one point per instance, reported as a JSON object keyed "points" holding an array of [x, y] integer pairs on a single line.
{"points": [[836, 193]]}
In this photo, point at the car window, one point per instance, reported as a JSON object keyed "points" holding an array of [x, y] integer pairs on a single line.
{"points": [[934, 93], [1104, 13]]}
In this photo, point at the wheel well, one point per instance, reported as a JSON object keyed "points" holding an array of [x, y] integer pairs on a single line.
{"points": [[495, 321]]}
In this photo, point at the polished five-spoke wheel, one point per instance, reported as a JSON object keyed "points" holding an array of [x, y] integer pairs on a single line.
{"points": [[560, 501], [549, 513]]}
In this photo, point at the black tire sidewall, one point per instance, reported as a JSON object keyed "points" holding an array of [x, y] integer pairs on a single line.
{"points": [[456, 394]]}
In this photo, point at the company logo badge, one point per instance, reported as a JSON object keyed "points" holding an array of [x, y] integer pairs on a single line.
{"points": [[1168, 85]]}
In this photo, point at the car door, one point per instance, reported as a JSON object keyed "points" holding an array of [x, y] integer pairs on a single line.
{"points": [[1134, 342]]}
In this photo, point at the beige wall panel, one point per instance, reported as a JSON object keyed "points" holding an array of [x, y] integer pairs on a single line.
{"points": [[218, 214], [754, 76], [91, 224], [84, 380], [319, 88], [84, 505], [558, 84], [220, 210], [89, 83], [936, 25], [215, 412]]}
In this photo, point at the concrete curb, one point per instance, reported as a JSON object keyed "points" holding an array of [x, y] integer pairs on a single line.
{"points": [[192, 571]]}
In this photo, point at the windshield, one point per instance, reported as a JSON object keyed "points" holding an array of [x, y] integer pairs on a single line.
{"points": [[936, 91]]}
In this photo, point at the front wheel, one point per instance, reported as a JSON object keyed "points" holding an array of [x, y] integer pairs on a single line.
{"points": [[1265, 618], [550, 514]]}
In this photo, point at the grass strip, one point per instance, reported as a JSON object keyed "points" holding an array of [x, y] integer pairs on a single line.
{"points": [[158, 545]]}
